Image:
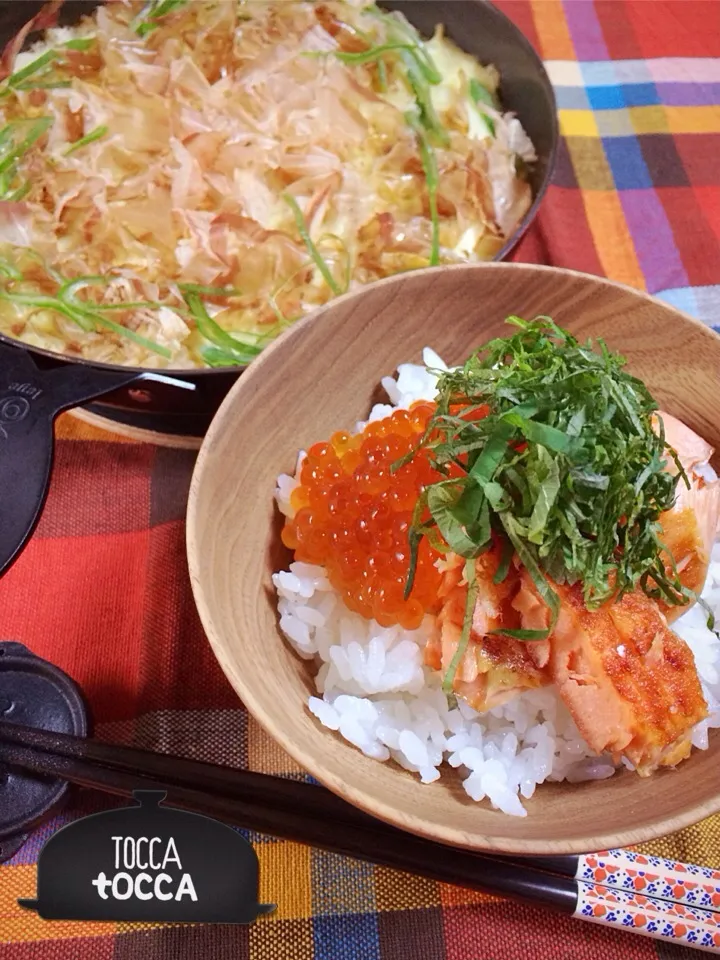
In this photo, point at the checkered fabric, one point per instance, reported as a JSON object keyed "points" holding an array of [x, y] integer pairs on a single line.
{"points": [[102, 590]]}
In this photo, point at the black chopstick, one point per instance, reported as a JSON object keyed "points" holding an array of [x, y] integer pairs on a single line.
{"points": [[366, 839], [181, 772], [309, 814], [241, 785]]}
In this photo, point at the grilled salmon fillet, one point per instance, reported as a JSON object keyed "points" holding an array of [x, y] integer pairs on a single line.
{"points": [[690, 528], [493, 669], [629, 682]]}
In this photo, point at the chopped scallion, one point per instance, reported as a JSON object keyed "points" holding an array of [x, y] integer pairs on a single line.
{"points": [[11, 152], [79, 43], [430, 168], [367, 56], [87, 315], [317, 257], [480, 95], [97, 134], [32, 68], [234, 352], [209, 291], [402, 32], [147, 20], [122, 331]]}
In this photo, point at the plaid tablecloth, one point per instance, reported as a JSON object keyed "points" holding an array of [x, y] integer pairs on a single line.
{"points": [[103, 590]]}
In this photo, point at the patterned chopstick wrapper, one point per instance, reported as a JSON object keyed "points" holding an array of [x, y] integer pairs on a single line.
{"points": [[685, 883], [661, 919]]}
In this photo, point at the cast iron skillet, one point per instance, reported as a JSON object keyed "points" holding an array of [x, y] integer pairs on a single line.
{"points": [[36, 385]]}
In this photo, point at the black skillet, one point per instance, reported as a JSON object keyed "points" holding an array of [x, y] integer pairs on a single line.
{"points": [[36, 385]]}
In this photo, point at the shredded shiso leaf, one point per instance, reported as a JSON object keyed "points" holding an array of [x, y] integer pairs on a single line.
{"points": [[550, 449]]}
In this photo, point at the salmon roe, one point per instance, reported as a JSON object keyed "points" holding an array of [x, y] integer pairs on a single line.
{"points": [[352, 517]]}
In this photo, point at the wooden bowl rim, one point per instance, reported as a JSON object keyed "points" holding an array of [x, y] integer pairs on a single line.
{"points": [[411, 822]]}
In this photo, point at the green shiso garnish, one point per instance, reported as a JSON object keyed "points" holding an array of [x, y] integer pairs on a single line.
{"points": [[564, 465]]}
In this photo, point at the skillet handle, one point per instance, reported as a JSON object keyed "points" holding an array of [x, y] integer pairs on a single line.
{"points": [[30, 399]]}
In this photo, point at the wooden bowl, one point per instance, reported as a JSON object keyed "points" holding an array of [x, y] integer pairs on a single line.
{"points": [[323, 376]]}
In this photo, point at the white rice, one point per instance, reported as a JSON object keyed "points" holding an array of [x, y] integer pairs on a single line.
{"points": [[374, 689]]}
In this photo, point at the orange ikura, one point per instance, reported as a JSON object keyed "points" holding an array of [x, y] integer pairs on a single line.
{"points": [[353, 515]]}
